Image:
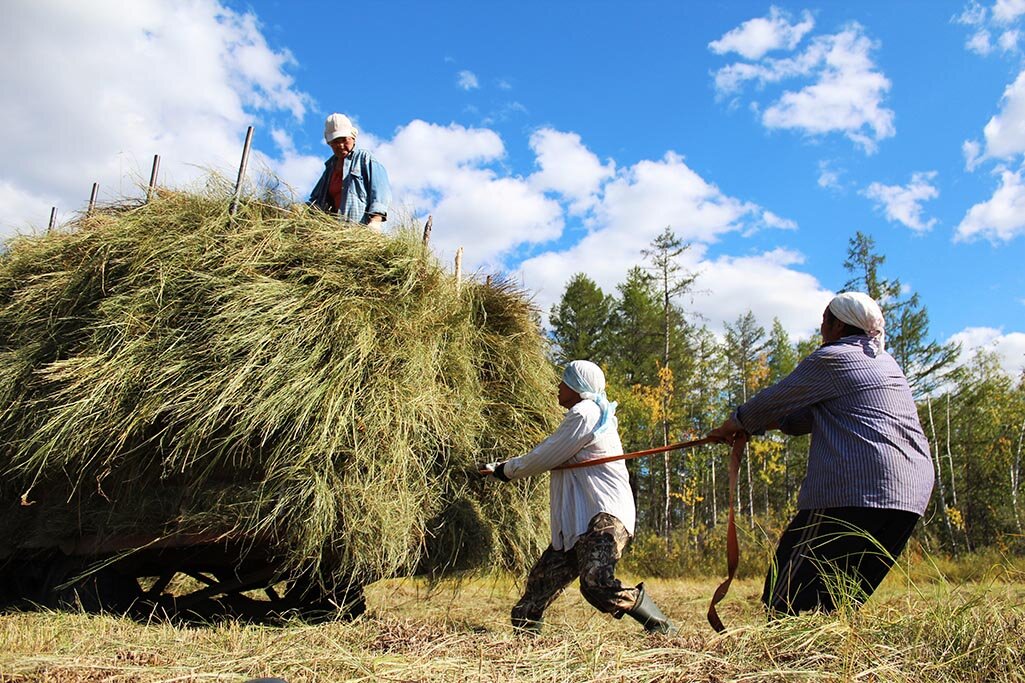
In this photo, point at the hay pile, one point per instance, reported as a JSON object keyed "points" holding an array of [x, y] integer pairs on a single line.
{"points": [[326, 390]]}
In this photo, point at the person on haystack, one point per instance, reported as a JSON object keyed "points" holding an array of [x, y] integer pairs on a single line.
{"points": [[354, 184], [869, 474], [592, 509]]}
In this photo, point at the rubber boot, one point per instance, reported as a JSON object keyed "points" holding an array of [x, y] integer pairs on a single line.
{"points": [[527, 627], [650, 616]]}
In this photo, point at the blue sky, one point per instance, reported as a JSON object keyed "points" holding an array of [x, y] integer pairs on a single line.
{"points": [[549, 138]]}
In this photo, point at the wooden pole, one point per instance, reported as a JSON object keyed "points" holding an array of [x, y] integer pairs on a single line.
{"points": [[153, 176], [459, 268], [427, 229], [92, 199], [53, 219], [241, 172]]}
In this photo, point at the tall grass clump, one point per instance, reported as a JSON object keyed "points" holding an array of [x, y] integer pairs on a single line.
{"points": [[319, 388]]}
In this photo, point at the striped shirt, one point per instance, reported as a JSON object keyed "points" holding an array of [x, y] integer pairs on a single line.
{"points": [[867, 445], [577, 495]]}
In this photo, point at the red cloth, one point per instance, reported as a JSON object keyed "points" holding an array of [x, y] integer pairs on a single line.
{"points": [[334, 189]]}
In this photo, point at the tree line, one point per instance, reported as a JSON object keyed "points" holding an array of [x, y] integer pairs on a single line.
{"points": [[673, 379]]}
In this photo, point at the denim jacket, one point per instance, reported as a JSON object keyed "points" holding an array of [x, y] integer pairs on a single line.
{"points": [[365, 187]]}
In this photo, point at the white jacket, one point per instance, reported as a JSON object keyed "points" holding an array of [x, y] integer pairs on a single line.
{"points": [[577, 495]]}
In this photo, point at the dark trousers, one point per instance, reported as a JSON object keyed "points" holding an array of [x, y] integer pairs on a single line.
{"points": [[829, 555], [593, 559]]}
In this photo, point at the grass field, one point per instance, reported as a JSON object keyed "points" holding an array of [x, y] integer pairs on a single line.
{"points": [[918, 627]]}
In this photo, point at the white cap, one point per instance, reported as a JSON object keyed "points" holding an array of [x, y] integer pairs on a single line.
{"points": [[338, 126]]}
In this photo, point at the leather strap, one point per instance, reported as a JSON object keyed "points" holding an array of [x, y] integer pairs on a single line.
{"points": [[636, 454], [732, 547]]}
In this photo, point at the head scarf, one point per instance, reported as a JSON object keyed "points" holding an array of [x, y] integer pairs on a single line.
{"points": [[587, 379], [860, 310]]}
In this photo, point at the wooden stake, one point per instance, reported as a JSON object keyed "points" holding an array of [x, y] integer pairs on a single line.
{"points": [[53, 219], [92, 199], [427, 229], [153, 177], [459, 268], [241, 172]]}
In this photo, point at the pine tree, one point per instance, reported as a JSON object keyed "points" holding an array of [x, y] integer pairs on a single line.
{"points": [[745, 349], [782, 354], [579, 322], [924, 363], [672, 280]]}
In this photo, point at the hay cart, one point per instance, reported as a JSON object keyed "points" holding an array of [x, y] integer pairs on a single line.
{"points": [[187, 577]]}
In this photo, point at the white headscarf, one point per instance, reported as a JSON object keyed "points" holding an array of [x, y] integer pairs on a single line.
{"points": [[587, 379], [860, 310]]}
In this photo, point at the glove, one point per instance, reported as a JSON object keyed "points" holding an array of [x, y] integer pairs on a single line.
{"points": [[494, 469]]}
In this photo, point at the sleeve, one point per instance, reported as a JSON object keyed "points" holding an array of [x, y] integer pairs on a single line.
{"points": [[797, 423], [379, 195], [573, 434], [810, 383], [319, 190]]}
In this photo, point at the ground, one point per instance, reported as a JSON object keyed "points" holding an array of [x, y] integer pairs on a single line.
{"points": [[914, 629]]}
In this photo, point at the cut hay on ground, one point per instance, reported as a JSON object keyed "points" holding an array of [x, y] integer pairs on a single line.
{"points": [[164, 370]]}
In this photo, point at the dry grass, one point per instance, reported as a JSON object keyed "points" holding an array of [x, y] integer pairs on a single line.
{"points": [[164, 370], [457, 631]]}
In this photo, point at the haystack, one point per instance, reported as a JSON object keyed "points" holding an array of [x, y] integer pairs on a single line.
{"points": [[166, 370]]}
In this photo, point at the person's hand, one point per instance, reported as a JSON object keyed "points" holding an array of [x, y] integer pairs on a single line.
{"points": [[495, 470], [375, 220], [727, 431]]}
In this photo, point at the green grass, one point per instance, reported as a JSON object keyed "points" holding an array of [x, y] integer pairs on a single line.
{"points": [[458, 631]]}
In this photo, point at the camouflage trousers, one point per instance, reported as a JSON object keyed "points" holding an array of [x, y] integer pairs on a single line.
{"points": [[593, 559]]}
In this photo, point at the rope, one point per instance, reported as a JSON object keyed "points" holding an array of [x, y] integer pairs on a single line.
{"points": [[732, 547], [636, 454]]}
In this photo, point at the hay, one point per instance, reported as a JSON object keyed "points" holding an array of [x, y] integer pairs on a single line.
{"points": [[324, 389]]}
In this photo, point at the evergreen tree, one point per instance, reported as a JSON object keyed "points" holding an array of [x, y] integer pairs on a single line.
{"points": [[782, 354], [671, 280], [745, 349], [579, 322], [636, 330], [923, 362]]}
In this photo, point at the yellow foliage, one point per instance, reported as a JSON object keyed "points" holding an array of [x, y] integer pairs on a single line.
{"points": [[956, 518]]}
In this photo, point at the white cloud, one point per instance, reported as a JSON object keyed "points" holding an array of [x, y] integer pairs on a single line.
{"points": [[569, 168], [467, 80], [828, 176], [773, 221], [769, 284], [101, 87], [1009, 347], [1007, 11], [972, 150], [445, 171], [973, 15], [645, 198], [755, 37], [999, 219], [986, 23], [1008, 40], [903, 203], [980, 43], [1005, 132], [653, 194], [845, 97]]}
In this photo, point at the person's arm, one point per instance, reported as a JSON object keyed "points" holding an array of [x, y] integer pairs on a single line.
{"points": [[573, 434], [319, 190], [797, 423], [379, 193], [811, 382]]}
